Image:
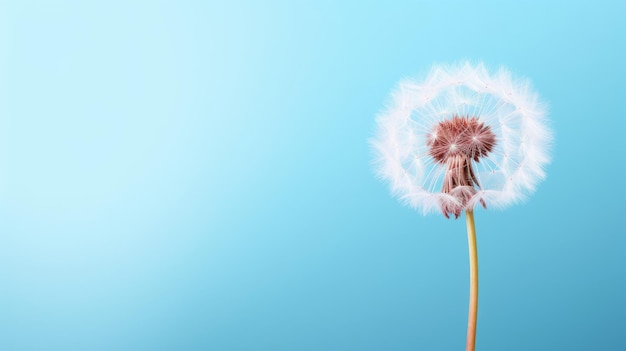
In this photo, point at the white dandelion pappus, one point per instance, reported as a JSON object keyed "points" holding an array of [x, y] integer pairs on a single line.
{"points": [[462, 136]]}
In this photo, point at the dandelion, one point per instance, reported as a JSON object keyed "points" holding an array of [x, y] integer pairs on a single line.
{"points": [[462, 137]]}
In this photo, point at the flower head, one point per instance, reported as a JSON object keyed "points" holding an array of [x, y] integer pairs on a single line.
{"points": [[460, 137]]}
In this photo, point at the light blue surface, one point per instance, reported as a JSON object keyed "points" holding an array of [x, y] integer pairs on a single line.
{"points": [[192, 176]]}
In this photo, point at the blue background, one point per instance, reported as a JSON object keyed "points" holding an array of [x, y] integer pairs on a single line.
{"points": [[180, 175]]}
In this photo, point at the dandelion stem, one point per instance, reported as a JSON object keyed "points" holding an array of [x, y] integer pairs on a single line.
{"points": [[473, 300]]}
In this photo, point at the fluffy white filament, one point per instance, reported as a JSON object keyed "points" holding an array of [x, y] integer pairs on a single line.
{"points": [[508, 106]]}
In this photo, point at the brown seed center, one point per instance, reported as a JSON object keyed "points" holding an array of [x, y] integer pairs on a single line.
{"points": [[455, 143]]}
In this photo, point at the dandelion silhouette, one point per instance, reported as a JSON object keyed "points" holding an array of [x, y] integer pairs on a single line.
{"points": [[460, 137]]}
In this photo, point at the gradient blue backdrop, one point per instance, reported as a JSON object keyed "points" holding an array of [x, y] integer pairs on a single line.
{"points": [[184, 175]]}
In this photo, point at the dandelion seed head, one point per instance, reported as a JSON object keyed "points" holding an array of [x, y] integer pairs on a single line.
{"points": [[460, 137]]}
